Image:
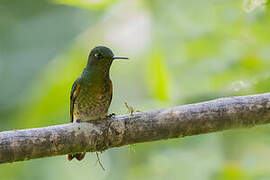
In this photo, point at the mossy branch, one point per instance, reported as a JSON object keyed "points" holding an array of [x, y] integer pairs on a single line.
{"points": [[186, 120]]}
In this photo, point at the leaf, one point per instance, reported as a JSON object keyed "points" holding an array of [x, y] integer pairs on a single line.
{"points": [[158, 77], [91, 4]]}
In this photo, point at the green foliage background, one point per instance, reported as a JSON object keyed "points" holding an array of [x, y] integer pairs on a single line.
{"points": [[181, 52]]}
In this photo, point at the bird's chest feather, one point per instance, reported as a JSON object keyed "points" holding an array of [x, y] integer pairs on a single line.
{"points": [[93, 100]]}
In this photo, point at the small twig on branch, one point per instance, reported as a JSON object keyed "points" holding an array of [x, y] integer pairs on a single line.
{"points": [[187, 120], [99, 162]]}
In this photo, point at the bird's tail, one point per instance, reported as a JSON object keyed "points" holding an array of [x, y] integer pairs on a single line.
{"points": [[78, 156]]}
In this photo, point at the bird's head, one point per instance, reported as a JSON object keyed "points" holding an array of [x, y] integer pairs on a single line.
{"points": [[102, 56]]}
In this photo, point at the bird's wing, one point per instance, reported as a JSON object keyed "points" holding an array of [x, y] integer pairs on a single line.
{"points": [[73, 95], [111, 91]]}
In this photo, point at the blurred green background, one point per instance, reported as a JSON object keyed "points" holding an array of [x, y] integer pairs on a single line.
{"points": [[181, 52]]}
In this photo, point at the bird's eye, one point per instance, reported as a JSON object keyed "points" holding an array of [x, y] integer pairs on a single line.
{"points": [[98, 55]]}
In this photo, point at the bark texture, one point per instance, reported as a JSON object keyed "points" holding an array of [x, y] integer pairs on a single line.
{"points": [[186, 120]]}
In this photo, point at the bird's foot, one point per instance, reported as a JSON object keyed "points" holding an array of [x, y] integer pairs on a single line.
{"points": [[112, 115]]}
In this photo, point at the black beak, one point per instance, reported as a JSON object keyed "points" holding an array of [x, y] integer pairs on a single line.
{"points": [[119, 57]]}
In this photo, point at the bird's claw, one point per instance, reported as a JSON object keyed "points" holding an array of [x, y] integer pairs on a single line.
{"points": [[112, 115]]}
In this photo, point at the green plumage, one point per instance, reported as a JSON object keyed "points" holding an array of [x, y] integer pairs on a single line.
{"points": [[91, 93], [92, 98]]}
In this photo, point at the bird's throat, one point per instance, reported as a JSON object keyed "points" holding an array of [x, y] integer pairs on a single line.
{"points": [[96, 74]]}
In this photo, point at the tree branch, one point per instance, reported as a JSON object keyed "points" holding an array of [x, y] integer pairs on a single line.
{"points": [[187, 120]]}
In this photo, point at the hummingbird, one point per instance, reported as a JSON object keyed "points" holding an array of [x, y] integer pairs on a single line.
{"points": [[91, 93]]}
